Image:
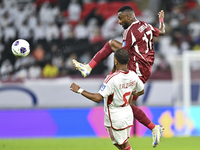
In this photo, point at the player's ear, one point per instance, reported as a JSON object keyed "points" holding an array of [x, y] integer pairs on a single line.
{"points": [[115, 61], [128, 17]]}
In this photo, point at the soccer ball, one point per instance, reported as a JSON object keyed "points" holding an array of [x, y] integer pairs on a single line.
{"points": [[20, 48]]}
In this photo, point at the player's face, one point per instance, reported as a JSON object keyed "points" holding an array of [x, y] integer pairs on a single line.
{"points": [[122, 19]]}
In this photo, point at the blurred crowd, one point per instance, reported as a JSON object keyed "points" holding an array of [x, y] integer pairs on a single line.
{"points": [[61, 30]]}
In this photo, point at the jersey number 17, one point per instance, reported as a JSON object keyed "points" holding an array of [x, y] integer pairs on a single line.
{"points": [[148, 41]]}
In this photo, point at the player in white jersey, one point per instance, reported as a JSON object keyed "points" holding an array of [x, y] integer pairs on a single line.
{"points": [[117, 91]]}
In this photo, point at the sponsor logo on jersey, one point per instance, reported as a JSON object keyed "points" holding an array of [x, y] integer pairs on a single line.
{"points": [[142, 28], [103, 87], [123, 43]]}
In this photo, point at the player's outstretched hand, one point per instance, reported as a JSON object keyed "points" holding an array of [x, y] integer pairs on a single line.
{"points": [[161, 14], [74, 87]]}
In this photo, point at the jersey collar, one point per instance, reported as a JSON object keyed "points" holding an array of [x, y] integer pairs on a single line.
{"points": [[122, 71], [133, 24]]}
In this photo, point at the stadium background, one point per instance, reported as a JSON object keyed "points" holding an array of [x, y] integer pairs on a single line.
{"points": [[35, 100]]}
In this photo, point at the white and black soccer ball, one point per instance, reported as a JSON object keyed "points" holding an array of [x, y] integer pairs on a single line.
{"points": [[20, 48]]}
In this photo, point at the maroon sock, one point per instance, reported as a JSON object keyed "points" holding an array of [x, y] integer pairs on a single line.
{"points": [[100, 55], [142, 118]]}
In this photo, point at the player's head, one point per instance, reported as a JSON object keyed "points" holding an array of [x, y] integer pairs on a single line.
{"points": [[122, 56], [126, 16]]}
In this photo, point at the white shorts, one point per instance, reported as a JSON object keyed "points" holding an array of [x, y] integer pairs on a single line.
{"points": [[119, 136]]}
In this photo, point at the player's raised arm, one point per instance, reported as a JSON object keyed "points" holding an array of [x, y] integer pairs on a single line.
{"points": [[161, 22]]}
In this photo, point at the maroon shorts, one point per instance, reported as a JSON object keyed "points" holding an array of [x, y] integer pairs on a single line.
{"points": [[142, 70]]}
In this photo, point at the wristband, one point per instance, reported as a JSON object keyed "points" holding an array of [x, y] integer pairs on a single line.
{"points": [[80, 90], [161, 20]]}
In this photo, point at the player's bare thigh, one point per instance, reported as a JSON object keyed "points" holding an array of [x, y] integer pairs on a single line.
{"points": [[115, 45]]}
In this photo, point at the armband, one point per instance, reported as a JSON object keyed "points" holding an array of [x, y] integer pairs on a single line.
{"points": [[80, 90], [161, 20]]}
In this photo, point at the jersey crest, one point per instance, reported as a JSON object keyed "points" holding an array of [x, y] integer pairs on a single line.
{"points": [[103, 87], [123, 43]]}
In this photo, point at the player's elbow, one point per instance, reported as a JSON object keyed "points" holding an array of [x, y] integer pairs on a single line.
{"points": [[141, 92], [98, 101], [98, 98]]}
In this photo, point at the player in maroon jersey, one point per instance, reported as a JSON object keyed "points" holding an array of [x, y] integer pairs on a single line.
{"points": [[138, 41]]}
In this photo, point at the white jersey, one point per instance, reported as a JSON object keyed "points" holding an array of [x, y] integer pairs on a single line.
{"points": [[116, 91]]}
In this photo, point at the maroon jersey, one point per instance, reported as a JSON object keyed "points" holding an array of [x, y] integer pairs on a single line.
{"points": [[138, 41]]}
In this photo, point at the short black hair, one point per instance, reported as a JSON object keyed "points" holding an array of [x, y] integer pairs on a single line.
{"points": [[125, 8], [122, 56]]}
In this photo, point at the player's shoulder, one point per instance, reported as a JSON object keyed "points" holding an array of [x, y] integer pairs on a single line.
{"points": [[138, 27], [143, 23], [132, 72], [111, 77], [138, 23]]}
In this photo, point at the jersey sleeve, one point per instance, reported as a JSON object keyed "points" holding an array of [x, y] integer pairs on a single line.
{"points": [[106, 89], [139, 85], [130, 40], [154, 30]]}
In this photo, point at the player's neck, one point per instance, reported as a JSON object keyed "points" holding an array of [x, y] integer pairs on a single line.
{"points": [[122, 68], [133, 20]]}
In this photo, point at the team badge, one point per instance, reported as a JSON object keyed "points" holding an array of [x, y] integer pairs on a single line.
{"points": [[103, 87], [123, 43]]}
